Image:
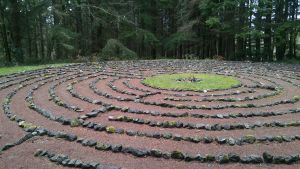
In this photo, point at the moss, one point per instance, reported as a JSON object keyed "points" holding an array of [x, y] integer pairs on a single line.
{"points": [[12, 117], [293, 123], [172, 124], [74, 124], [203, 106], [127, 146], [110, 129], [171, 98], [5, 100], [279, 137], [26, 125], [179, 106], [32, 127], [20, 86], [120, 118]]}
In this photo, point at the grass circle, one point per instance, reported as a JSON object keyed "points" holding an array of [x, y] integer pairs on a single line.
{"points": [[207, 81]]}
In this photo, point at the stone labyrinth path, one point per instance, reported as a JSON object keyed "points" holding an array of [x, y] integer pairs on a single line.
{"points": [[105, 115]]}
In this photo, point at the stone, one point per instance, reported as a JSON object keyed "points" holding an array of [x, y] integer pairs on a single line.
{"points": [[130, 132], [155, 153], [71, 137], [176, 154], [188, 157], [147, 134], [7, 146], [78, 164], [44, 153], [116, 147], [200, 126], [166, 155], [60, 135], [86, 166], [94, 164], [166, 135], [61, 158], [138, 152], [92, 114], [18, 142], [199, 157], [197, 139], [49, 154], [234, 157], [279, 159], [255, 159], [127, 149], [53, 159], [140, 134], [72, 162], [239, 142], [210, 157], [92, 143], [230, 141], [222, 158], [119, 131], [245, 159], [207, 139], [156, 135], [101, 167], [37, 152], [221, 140], [65, 162], [268, 157]]}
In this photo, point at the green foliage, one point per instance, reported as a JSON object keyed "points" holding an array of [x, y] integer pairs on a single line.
{"points": [[114, 47]]}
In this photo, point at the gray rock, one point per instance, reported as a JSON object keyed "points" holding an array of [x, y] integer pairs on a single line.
{"points": [[101, 167], [188, 157], [65, 162], [200, 126], [268, 157], [92, 114], [155, 153], [207, 139], [44, 153], [119, 131], [176, 154], [86, 166], [116, 147], [7, 146], [20, 141], [53, 159], [156, 135], [239, 142], [127, 149], [132, 110], [49, 154], [199, 157], [130, 132], [92, 143], [230, 141], [94, 164], [60, 135], [221, 140], [222, 158], [234, 157], [78, 163], [37, 152], [166, 135], [61, 158], [255, 159], [197, 139], [71, 137], [279, 159], [72, 162], [210, 157], [138, 152], [166, 155], [147, 134], [245, 159], [177, 137], [139, 133]]}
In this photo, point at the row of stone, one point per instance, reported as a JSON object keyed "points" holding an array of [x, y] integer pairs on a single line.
{"points": [[62, 159], [211, 95], [189, 125]]}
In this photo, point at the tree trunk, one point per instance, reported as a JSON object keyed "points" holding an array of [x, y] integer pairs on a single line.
{"points": [[16, 32], [4, 36]]}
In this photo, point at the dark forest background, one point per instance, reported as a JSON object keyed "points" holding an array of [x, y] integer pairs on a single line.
{"points": [[43, 31]]}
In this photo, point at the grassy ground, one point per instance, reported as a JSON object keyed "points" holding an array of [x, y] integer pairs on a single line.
{"points": [[208, 81], [16, 69]]}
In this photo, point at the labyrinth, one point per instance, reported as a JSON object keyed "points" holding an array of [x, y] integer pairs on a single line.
{"points": [[207, 114]]}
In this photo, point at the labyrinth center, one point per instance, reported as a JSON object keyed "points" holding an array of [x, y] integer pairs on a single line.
{"points": [[149, 114]]}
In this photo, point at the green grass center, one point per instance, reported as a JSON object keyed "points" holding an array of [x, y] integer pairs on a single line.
{"points": [[207, 81]]}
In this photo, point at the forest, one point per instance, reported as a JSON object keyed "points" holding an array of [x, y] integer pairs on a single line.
{"points": [[43, 31]]}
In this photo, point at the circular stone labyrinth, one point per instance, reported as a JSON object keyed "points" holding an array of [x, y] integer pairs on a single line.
{"points": [[116, 115]]}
